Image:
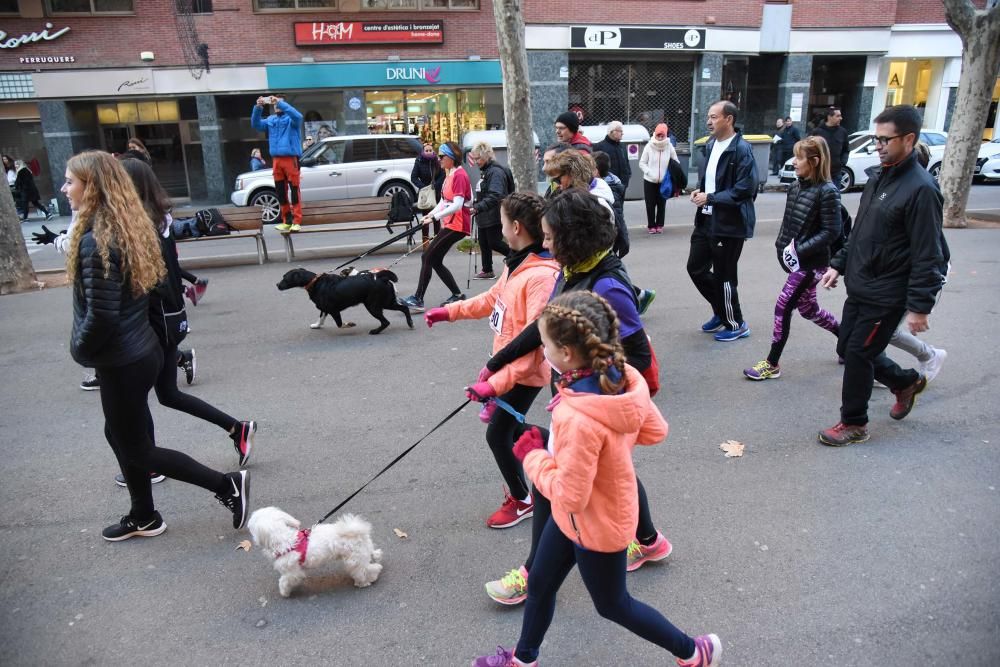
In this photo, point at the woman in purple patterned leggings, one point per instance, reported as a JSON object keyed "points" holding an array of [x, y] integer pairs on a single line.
{"points": [[810, 227]]}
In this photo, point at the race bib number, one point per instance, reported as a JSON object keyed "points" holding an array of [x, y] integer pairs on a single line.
{"points": [[790, 257], [496, 317]]}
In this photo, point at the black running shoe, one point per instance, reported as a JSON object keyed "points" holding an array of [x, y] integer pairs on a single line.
{"points": [[129, 527], [189, 363], [454, 298], [91, 383], [242, 439], [235, 496], [154, 478]]}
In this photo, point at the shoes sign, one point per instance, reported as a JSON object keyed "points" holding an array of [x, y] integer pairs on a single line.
{"points": [[647, 39]]}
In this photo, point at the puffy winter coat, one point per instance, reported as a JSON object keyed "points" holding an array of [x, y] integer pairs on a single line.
{"points": [[655, 162], [427, 171], [283, 134], [588, 476], [519, 297], [894, 257], [812, 219], [110, 324], [492, 188], [25, 186]]}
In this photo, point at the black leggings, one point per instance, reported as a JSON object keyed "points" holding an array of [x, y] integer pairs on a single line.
{"points": [[124, 395], [500, 438], [170, 396], [656, 205], [490, 239], [645, 531], [433, 259]]}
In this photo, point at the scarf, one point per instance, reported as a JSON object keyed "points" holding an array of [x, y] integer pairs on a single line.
{"points": [[659, 144], [586, 265], [515, 258]]}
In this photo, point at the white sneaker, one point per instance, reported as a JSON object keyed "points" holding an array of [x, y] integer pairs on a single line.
{"points": [[932, 366]]}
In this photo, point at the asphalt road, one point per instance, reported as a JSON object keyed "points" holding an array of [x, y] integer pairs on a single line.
{"points": [[795, 554]]}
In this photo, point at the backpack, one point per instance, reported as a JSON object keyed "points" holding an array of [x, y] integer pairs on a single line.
{"points": [[166, 301], [511, 185], [401, 207], [845, 231], [211, 223]]}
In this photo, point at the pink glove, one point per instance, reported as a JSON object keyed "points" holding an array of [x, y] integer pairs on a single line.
{"points": [[529, 441], [485, 374], [486, 414], [481, 391], [435, 315]]}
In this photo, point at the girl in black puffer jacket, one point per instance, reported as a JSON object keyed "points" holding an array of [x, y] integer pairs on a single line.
{"points": [[114, 260], [811, 225]]}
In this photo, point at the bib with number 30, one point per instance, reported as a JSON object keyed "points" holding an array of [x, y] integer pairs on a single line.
{"points": [[496, 317]]}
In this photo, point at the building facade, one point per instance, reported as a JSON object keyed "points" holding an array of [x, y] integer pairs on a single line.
{"points": [[182, 75]]}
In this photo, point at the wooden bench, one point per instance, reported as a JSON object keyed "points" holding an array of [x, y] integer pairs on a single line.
{"points": [[340, 215], [245, 221]]}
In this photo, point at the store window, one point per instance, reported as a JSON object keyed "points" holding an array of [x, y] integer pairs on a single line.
{"points": [[90, 7], [155, 111], [435, 116], [386, 112], [909, 83], [9, 7], [292, 5]]}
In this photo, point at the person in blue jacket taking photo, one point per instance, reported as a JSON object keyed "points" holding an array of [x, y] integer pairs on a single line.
{"points": [[283, 129]]}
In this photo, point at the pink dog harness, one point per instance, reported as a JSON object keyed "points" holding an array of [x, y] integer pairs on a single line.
{"points": [[301, 544]]}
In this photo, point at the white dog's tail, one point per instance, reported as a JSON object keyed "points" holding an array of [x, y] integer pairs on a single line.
{"points": [[353, 526]]}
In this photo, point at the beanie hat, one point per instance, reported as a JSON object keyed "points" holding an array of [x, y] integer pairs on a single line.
{"points": [[662, 127], [570, 120]]}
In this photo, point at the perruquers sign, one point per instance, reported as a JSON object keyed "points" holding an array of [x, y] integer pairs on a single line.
{"points": [[31, 37]]}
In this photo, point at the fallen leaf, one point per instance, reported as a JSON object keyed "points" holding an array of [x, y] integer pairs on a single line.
{"points": [[732, 448], [245, 545], [400, 534]]}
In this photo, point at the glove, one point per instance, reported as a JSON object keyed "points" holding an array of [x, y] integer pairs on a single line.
{"points": [[485, 374], [481, 391], [486, 414], [529, 441], [435, 315], [790, 258], [47, 236]]}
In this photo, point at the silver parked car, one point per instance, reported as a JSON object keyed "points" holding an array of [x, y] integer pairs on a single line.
{"points": [[364, 165]]}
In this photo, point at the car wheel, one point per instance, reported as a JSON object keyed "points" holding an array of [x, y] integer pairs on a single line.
{"points": [[935, 171], [846, 180], [392, 187], [267, 201]]}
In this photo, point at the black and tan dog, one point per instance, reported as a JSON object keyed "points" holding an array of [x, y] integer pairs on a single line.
{"points": [[333, 293]]}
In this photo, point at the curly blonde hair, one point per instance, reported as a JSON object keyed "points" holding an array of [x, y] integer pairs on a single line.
{"points": [[586, 323], [579, 166], [112, 209]]}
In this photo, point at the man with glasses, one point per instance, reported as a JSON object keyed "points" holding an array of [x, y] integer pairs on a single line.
{"points": [[891, 268], [836, 140]]}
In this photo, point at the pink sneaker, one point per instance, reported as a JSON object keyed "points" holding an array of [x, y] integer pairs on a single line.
{"points": [[502, 658], [638, 555], [707, 652], [511, 513]]}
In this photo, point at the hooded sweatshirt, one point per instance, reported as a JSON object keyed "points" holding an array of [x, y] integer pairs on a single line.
{"points": [[516, 299], [588, 474], [282, 129]]}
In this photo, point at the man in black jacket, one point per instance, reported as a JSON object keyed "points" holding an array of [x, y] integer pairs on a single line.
{"points": [[617, 155], [495, 183], [789, 137], [891, 268], [724, 220], [836, 140]]}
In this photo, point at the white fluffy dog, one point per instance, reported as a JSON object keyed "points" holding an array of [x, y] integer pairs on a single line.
{"points": [[347, 540]]}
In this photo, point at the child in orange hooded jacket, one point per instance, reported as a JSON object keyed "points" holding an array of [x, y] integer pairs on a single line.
{"points": [[516, 299], [585, 469]]}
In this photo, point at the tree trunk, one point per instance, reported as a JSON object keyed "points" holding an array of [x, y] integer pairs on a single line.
{"points": [[516, 98], [16, 272], [980, 33]]}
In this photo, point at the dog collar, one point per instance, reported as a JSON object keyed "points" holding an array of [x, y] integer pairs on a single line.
{"points": [[301, 544], [312, 282]]}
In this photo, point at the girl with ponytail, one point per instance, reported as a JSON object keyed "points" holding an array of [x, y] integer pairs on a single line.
{"points": [[584, 467]]}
